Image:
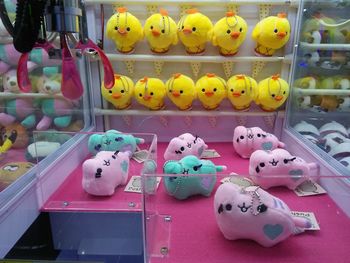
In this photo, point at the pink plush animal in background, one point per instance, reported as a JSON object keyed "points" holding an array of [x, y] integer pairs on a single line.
{"points": [[252, 213], [183, 145], [248, 140], [103, 173], [279, 168]]}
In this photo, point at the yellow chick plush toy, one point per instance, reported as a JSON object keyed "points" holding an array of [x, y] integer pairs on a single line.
{"points": [[229, 33], [150, 92], [181, 91], [194, 31], [241, 91], [271, 33], [121, 93], [307, 101], [211, 90], [125, 30], [160, 31], [272, 93]]}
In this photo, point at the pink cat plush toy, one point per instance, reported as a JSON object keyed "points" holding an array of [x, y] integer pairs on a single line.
{"points": [[279, 168], [248, 140], [252, 213], [103, 173], [183, 145]]}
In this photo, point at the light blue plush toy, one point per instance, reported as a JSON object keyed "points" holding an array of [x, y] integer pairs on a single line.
{"points": [[182, 187], [113, 140]]}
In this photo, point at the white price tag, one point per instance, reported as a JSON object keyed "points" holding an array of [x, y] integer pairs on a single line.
{"points": [[134, 184], [210, 153], [309, 188], [310, 216]]}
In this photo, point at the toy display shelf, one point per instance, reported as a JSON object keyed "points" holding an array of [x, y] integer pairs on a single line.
{"points": [[305, 45], [186, 231], [336, 92], [197, 2], [9, 95]]}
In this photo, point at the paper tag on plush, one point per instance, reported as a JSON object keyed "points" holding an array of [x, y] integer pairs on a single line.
{"points": [[310, 216], [134, 184], [309, 188], [140, 156], [210, 153], [237, 180]]}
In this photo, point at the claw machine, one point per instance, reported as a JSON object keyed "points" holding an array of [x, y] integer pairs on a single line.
{"points": [[221, 135]]}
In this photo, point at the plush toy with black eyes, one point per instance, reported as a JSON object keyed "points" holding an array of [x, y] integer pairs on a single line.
{"points": [[272, 93], [113, 140], [211, 90], [194, 30], [125, 30], [271, 34], [103, 173], [247, 140], [150, 92], [252, 213], [229, 33], [183, 145], [121, 93], [241, 91], [186, 183], [181, 91], [279, 168], [160, 31]]}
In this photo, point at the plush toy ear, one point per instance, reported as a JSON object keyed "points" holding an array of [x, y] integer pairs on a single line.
{"points": [[172, 167], [220, 168], [139, 140]]}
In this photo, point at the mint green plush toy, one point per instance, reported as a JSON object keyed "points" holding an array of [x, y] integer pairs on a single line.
{"points": [[187, 184], [113, 140]]}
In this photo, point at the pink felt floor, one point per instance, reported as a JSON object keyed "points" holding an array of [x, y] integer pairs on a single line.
{"points": [[194, 235]]}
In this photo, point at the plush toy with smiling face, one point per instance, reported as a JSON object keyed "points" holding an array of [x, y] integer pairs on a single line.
{"points": [[160, 31], [272, 93], [150, 92], [241, 91], [271, 34], [194, 30], [125, 30], [211, 90], [229, 33], [252, 213], [181, 91], [121, 93]]}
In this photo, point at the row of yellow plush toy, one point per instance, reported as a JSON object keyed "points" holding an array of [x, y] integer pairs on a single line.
{"points": [[194, 30], [210, 90]]}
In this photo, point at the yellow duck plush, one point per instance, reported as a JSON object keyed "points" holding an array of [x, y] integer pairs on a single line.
{"points": [[160, 31], [241, 91], [271, 33], [307, 101], [194, 30], [181, 91], [229, 33], [272, 93], [121, 93], [211, 90], [125, 30], [150, 92]]}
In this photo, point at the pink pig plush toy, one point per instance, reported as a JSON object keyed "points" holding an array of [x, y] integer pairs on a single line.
{"points": [[183, 145], [252, 213], [248, 140], [279, 168], [103, 173]]}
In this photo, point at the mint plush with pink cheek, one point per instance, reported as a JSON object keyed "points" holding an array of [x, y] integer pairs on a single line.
{"points": [[248, 140], [184, 145], [279, 168], [252, 213], [103, 173]]}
